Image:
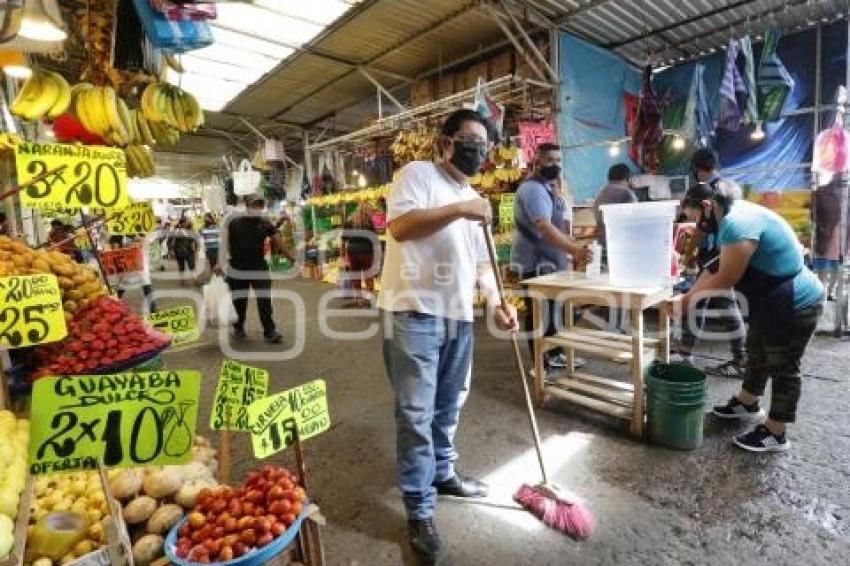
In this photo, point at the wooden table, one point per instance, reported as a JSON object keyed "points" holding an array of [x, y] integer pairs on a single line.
{"points": [[617, 398]]}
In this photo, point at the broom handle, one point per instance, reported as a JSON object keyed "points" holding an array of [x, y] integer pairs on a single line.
{"points": [[491, 250]]}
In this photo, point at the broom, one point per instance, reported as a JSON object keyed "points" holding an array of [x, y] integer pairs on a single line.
{"points": [[547, 501]]}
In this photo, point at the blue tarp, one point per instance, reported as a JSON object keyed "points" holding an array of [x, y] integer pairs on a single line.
{"points": [[592, 109]]}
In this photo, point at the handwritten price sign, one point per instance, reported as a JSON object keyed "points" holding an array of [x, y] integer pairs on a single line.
{"points": [[31, 311], [238, 386], [532, 134], [92, 175], [274, 420], [138, 218], [122, 260], [123, 420], [180, 322]]}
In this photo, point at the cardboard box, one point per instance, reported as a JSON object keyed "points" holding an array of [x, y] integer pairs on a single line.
{"points": [[475, 72], [523, 69], [422, 92], [446, 85], [502, 65]]}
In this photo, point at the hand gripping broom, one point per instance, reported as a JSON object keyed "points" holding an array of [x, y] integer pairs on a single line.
{"points": [[545, 500]]}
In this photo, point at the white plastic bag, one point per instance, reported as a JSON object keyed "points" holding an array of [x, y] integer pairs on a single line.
{"points": [[218, 306], [246, 181]]}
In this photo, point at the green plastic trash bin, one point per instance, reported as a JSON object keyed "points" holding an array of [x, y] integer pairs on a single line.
{"points": [[675, 405]]}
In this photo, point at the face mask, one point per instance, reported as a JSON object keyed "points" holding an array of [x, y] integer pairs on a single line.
{"points": [[550, 172], [468, 157]]}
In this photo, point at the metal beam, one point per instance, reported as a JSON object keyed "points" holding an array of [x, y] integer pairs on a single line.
{"points": [[678, 24], [528, 41], [418, 35], [381, 89], [494, 15]]}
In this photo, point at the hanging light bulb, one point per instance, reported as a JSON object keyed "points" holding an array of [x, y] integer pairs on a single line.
{"points": [[758, 133], [14, 64], [361, 182], [38, 25], [614, 149], [678, 143]]}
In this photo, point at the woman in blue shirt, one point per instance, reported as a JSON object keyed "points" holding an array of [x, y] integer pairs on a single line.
{"points": [[762, 260]]}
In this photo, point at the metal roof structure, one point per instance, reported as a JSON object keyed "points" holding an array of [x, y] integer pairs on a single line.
{"points": [[388, 44]]}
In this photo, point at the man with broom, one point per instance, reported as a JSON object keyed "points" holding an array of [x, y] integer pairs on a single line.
{"points": [[436, 252]]}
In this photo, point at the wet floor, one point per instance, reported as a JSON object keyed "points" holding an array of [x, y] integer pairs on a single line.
{"points": [[716, 505]]}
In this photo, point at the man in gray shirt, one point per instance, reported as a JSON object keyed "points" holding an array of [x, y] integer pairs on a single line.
{"points": [[617, 191]]}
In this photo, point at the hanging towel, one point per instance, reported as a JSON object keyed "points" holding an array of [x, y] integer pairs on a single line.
{"points": [[648, 132], [774, 80], [697, 122], [732, 89], [751, 106]]}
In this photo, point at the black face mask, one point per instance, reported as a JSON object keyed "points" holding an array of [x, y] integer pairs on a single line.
{"points": [[550, 172], [468, 157]]}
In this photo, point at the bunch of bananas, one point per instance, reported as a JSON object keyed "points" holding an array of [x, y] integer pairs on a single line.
{"points": [[171, 105], [139, 161], [8, 141], [503, 156], [101, 112], [416, 145], [496, 181], [142, 132], [45, 93], [163, 133]]}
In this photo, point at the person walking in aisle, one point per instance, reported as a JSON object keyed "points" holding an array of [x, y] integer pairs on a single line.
{"points": [[360, 253], [185, 247], [760, 258], [435, 254], [542, 241], [244, 245], [211, 235]]}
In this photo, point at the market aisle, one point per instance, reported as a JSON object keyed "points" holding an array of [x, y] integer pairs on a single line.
{"points": [[653, 506]]}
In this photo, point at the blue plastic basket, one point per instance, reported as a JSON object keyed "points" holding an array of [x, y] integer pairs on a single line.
{"points": [[256, 557]]}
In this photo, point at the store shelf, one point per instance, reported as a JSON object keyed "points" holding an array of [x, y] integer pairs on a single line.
{"points": [[605, 345]]}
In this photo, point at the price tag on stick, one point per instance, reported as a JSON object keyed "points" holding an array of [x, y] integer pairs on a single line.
{"points": [[93, 176], [30, 311], [180, 322], [238, 386], [123, 420], [273, 420], [138, 218]]}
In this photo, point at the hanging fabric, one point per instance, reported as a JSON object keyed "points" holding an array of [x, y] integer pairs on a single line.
{"points": [[492, 111], [732, 90], [294, 180], [774, 80], [697, 121], [750, 115], [648, 131]]}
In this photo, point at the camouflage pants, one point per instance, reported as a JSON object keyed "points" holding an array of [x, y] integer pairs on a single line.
{"points": [[781, 362]]}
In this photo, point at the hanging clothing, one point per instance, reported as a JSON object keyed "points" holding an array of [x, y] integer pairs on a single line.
{"points": [[774, 80], [648, 131], [751, 106], [697, 122], [732, 90]]}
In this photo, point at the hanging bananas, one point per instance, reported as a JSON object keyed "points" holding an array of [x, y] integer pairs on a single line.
{"points": [[164, 134], [140, 162], [44, 94], [173, 106]]}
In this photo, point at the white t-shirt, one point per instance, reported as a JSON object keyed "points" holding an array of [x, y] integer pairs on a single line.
{"points": [[436, 274]]}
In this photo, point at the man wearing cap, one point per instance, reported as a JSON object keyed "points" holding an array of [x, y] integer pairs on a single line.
{"points": [[244, 245]]}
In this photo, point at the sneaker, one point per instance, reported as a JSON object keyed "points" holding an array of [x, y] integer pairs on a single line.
{"points": [[731, 369], [760, 439], [560, 362], [734, 409], [462, 486], [425, 540], [273, 338], [239, 333]]}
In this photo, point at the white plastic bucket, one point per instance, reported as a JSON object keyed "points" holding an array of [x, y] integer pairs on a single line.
{"points": [[639, 240]]}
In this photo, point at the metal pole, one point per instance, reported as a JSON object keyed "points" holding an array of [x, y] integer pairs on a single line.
{"points": [[381, 89], [841, 302], [816, 126], [380, 103], [546, 64], [528, 59]]}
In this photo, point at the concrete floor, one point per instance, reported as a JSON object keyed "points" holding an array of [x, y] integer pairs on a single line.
{"points": [[716, 505]]}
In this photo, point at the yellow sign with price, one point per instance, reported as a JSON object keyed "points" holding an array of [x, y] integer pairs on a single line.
{"points": [[180, 322], [71, 176], [122, 420], [274, 420], [238, 386], [31, 311], [138, 218]]}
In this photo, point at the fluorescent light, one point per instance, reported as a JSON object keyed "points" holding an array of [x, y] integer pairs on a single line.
{"points": [[38, 25], [614, 149], [758, 133], [678, 143]]}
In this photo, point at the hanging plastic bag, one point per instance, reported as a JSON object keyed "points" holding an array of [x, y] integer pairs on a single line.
{"points": [[246, 181], [832, 153], [273, 150], [218, 306]]}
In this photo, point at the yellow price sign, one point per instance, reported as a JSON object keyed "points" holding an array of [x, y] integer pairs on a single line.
{"points": [[273, 420], [31, 311], [180, 322], [122, 420], [71, 176], [238, 386], [138, 218]]}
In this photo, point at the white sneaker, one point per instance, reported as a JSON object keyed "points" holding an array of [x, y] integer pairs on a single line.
{"points": [[560, 362]]}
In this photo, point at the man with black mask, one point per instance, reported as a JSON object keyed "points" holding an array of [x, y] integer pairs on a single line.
{"points": [[435, 254], [704, 168], [542, 241]]}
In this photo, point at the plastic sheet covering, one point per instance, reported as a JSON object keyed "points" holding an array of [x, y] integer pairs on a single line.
{"points": [[593, 110]]}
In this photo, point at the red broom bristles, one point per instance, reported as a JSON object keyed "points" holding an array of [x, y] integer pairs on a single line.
{"points": [[574, 519]]}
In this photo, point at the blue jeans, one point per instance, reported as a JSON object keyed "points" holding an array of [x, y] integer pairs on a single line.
{"points": [[429, 363]]}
